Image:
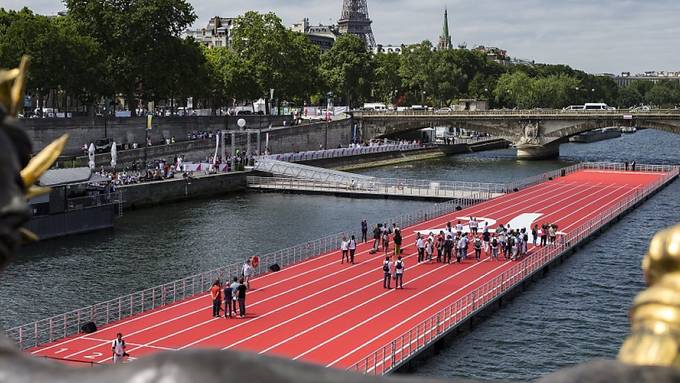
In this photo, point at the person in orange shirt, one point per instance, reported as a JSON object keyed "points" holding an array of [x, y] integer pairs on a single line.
{"points": [[216, 296]]}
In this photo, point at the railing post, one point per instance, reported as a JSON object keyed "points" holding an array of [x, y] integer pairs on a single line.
{"points": [[394, 354]]}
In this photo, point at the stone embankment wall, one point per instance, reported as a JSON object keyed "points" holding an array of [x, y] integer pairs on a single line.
{"points": [[162, 192], [84, 130]]}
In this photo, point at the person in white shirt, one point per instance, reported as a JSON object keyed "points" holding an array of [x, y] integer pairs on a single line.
{"points": [[352, 246], [344, 249], [399, 273], [459, 228], [420, 245], [248, 273], [118, 348]]}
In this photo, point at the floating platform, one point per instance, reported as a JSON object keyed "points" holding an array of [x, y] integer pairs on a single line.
{"points": [[338, 315]]}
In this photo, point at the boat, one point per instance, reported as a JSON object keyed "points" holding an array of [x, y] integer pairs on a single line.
{"points": [[628, 129], [79, 201], [596, 135]]}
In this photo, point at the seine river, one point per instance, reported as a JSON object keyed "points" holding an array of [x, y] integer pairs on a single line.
{"points": [[578, 312]]}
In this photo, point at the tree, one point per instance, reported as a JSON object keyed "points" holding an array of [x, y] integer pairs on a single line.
{"points": [[416, 70], [663, 94], [629, 96], [347, 69], [387, 84], [137, 37]]}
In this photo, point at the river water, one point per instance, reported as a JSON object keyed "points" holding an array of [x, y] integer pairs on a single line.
{"points": [[578, 312]]}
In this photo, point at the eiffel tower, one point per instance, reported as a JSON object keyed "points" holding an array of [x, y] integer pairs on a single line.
{"points": [[354, 20]]}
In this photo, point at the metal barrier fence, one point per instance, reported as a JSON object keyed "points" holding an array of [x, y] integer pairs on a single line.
{"points": [[395, 187], [340, 152], [68, 324], [407, 345]]}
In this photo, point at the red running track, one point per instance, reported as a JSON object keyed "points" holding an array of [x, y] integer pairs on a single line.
{"points": [[333, 314]]}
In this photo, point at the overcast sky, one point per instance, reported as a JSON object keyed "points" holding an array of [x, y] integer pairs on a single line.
{"points": [[596, 36]]}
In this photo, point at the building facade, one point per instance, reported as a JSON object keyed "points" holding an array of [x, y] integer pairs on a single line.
{"points": [[322, 35], [217, 33]]}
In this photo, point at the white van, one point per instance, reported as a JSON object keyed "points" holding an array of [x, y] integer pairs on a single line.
{"points": [[375, 106]]}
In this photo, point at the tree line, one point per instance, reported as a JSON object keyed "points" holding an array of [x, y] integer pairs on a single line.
{"points": [[135, 49]]}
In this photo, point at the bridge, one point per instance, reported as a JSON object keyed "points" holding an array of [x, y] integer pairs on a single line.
{"points": [[537, 134]]}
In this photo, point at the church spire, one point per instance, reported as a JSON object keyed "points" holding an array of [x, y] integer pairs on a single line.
{"points": [[445, 38]]}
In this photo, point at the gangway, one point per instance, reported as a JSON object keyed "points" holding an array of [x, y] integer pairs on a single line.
{"points": [[306, 172]]}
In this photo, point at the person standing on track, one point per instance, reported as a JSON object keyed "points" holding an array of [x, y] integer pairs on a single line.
{"points": [[534, 234], [474, 225], [376, 238], [448, 248], [429, 247], [494, 248], [399, 273], [248, 272], [420, 245], [544, 234], [477, 244], [397, 240], [364, 231], [215, 295], [228, 296], [387, 270], [552, 231], [344, 249], [386, 241], [241, 294], [118, 349], [486, 239], [352, 246], [440, 246], [459, 228], [462, 245]]}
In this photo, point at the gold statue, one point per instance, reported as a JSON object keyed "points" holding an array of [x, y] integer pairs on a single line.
{"points": [[655, 316], [12, 85]]}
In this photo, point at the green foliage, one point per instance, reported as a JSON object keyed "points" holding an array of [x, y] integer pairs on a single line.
{"points": [[348, 69], [387, 84]]}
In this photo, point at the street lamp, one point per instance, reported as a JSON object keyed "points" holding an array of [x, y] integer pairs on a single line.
{"points": [[105, 127], [422, 98]]}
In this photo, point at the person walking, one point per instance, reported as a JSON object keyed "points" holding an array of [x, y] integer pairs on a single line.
{"points": [[248, 272], [344, 249], [429, 247], [352, 246], [364, 231], [494, 248], [386, 241], [215, 296], [552, 232], [228, 297], [399, 273], [440, 246], [241, 295], [534, 234], [474, 225], [387, 270], [486, 239], [118, 349]]}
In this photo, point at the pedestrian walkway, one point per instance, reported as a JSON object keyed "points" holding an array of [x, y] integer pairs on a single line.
{"points": [[338, 315], [306, 172]]}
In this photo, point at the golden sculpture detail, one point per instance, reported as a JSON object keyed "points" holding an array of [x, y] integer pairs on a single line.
{"points": [[12, 85], [655, 316]]}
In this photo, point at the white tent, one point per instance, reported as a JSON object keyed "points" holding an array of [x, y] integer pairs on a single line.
{"points": [[90, 155], [114, 155]]}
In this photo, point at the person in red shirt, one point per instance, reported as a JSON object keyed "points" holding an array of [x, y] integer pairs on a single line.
{"points": [[216, 296]]}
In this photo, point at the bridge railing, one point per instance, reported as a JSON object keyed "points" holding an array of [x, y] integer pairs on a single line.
{"points": [[528, 112], [193, 287], [412, 341]]}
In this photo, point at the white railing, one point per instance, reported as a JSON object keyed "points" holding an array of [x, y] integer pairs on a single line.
{"points": [[341, 152], [380, 186], [290, 169], [419, 337], [61, 326]]}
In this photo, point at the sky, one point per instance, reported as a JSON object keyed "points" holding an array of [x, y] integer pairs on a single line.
{"points": [[604, 36]]}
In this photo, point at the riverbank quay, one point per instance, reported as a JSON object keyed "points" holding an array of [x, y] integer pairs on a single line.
{"points": [[154, 193], [337, 323]]}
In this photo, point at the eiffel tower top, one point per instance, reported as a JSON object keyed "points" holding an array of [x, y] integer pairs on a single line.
{"points": [[354, 19]]}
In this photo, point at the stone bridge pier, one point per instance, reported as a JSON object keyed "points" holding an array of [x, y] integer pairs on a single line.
{"points": [[536, 134]]}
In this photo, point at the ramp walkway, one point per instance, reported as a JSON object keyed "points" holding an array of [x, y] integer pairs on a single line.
{"points": [[424, 189], [306, 172]]}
